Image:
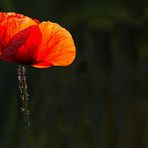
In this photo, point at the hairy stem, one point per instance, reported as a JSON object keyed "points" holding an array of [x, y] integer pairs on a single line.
{"points": [[21, 71]]}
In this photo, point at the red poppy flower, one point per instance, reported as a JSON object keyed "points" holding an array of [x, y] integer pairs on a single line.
{"points": [[27, 41]]}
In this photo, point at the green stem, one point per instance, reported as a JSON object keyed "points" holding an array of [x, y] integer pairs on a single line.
{"points": [[21, 71]]}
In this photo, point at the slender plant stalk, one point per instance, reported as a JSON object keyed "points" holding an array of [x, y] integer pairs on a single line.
{"points": [[21, 71]]}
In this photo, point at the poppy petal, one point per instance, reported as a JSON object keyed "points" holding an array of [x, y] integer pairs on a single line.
{"points": [[57, 47], [23, 46], [10, 24]]}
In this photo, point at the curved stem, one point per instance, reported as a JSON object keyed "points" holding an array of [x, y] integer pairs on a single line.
{"points": [[21, 71]]}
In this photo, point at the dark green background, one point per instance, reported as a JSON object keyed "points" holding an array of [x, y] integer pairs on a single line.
{"points": [[101, 100]]}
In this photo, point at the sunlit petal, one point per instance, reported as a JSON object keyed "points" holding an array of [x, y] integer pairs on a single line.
{"points": [[23, 46], [57, 47], [10, 24]]}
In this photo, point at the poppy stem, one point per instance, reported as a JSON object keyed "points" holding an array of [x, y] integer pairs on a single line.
{"points": [[21, 71]]}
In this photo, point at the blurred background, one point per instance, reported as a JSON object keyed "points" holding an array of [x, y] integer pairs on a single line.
{"points": [[101, 100]]}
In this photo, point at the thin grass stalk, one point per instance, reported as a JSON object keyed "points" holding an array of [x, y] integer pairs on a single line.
{"points": [[21, 71]]}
